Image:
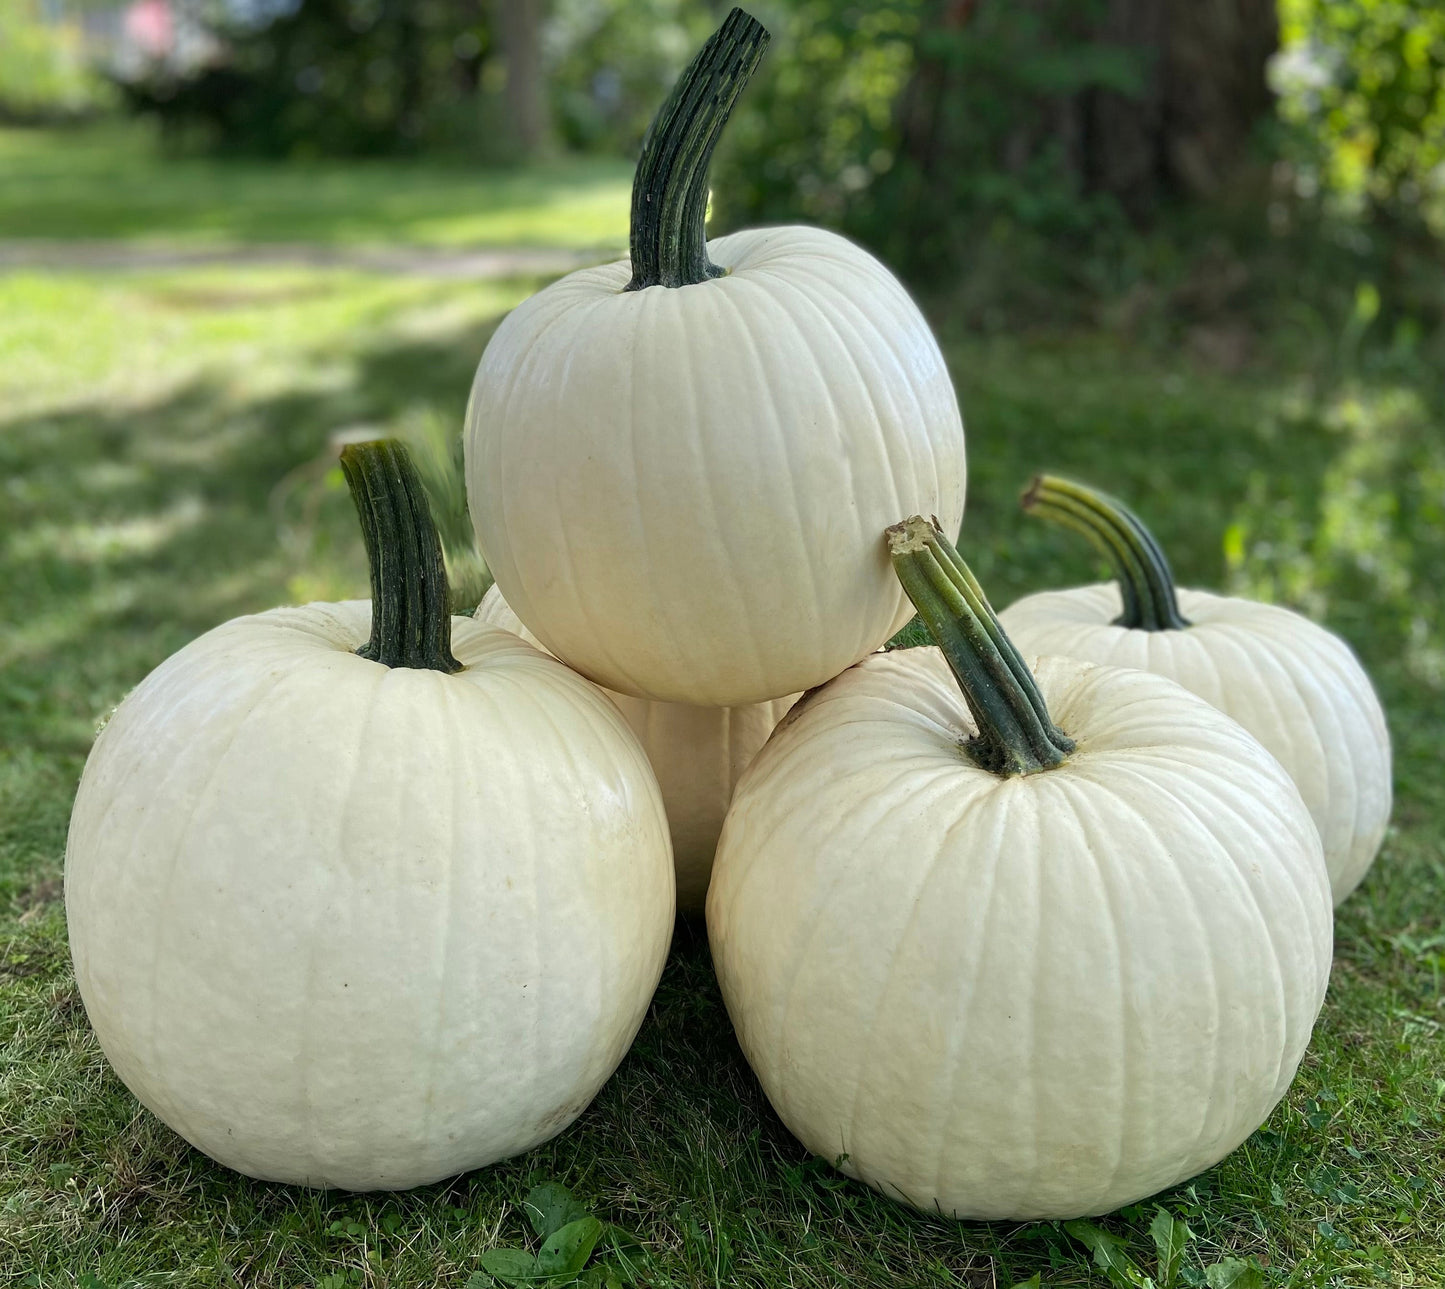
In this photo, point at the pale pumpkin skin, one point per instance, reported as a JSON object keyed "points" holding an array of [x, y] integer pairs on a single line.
{"points": [[1298, 688], [340, 924], [1038, 996], [697, 753], [680, 489]]}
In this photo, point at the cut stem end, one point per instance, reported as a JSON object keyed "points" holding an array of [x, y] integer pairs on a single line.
{"points": [[1016, 735]]}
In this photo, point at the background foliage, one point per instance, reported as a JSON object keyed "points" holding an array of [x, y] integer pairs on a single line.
{"points": [[611, 61], [820, 136], [372, 77], [329, 78], [44, 72], [1365, 82], [958, 138]]}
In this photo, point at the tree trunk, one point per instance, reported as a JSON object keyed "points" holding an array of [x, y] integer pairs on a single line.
{"points": [[519, 41], [409, 56], [1182, 128], [1120, 146], [1215, 88]]}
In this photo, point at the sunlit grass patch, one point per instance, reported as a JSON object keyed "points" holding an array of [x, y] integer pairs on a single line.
{"points": [[111, 180]]}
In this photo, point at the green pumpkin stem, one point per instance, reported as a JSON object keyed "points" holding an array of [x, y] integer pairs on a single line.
{"points": [[1016, 735], [669, 190], [411, 623], [1145, 582]]}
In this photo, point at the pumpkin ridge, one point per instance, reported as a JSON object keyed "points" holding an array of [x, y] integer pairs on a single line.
{"points": [[1000, 805], [928, 872], [1259, 919], [837, 886], [1197, 920], [885, 337], [752, 634], [848, 347], [782, 435], [1085, 816]]}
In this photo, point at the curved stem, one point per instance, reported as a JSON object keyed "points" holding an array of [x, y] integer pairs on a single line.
{"points": [[411, 623], [669, 190], [1016, 735], [1145, 582]]}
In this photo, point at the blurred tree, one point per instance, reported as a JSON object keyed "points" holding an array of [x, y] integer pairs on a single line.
{"points": [[518, 24], [499, 79], [337, 77], [1134, 100]]}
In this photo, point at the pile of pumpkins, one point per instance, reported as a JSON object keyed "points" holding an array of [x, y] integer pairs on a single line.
{"points": [[1032, 923]]}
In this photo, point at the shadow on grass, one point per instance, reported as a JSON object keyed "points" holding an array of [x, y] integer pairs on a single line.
{"points": [[129, 531]]}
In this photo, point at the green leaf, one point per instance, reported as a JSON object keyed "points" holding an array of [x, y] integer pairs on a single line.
{"points": [[1235, 1273], [510, 1266], [550, 1207], [1109, 1255], [1035, 1281], [566, 1251], [1171, 1238]]}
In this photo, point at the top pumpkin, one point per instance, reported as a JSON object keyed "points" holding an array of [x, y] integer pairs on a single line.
{"points": [[678, 466]]}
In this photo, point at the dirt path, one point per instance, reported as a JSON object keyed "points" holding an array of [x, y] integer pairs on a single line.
{"points": [[410, 261]]}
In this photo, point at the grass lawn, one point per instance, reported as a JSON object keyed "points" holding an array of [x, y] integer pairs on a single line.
{"points": [[165, 452], [111, 181]]}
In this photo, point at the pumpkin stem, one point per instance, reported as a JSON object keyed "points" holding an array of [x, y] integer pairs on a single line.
{"points": [[1145, 582], [669, 190], [411, 623], [1015, 732]]}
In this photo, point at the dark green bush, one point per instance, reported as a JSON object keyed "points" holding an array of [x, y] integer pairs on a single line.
{"points": [[334, 78]]}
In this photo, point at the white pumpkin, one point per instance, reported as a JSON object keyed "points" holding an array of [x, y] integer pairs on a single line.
{"points": [[343, 923], [1295, 686], [697, 754], [678, 478], [1035, 995]]}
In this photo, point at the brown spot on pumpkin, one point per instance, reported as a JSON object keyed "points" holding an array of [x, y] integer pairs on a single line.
{"points": [[796, 710]]}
